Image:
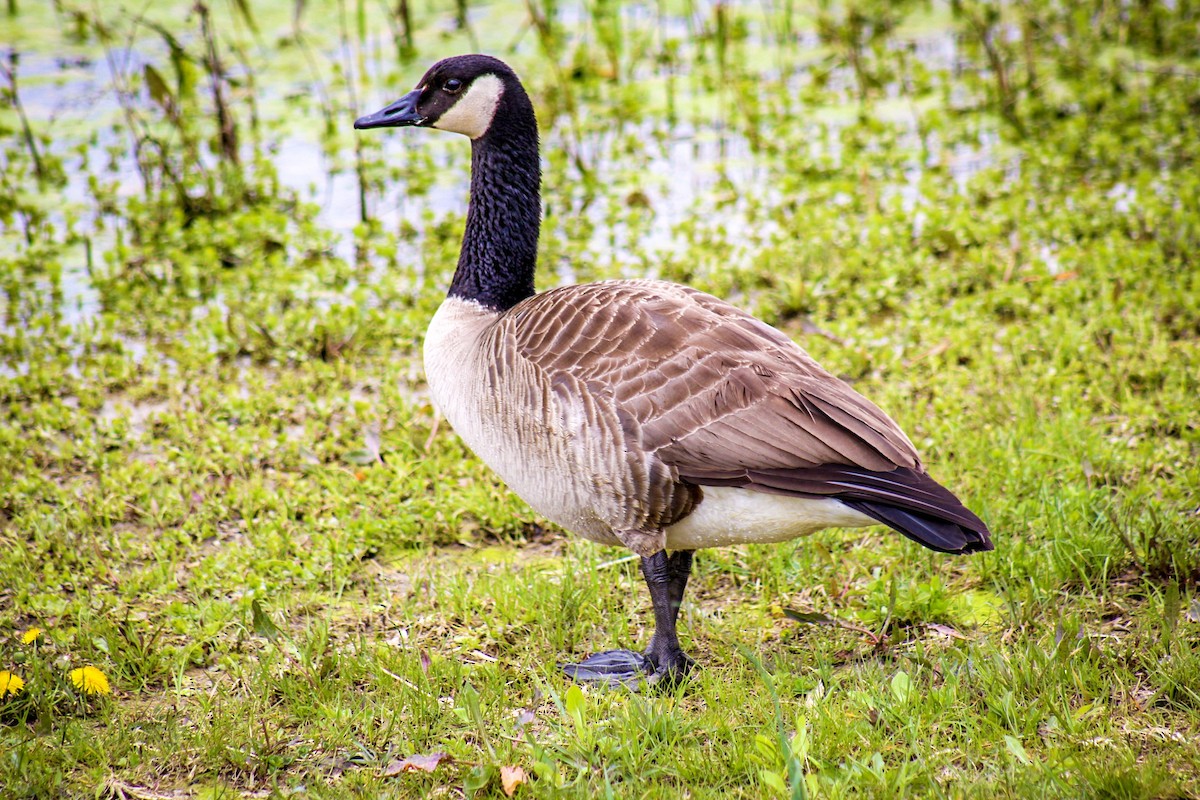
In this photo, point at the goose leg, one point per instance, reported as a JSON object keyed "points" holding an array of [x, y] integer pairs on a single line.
{"points": [[664, 662], [667, 579]]}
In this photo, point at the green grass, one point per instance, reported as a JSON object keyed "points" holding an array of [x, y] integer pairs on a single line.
{"points": [[190, 497]]}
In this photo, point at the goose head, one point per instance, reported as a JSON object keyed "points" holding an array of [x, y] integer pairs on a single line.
{"points": [[460, 94], [481, 98]]}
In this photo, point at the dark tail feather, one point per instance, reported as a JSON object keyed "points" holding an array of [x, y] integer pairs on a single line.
{"points": [[905, 499], [936, 534]]}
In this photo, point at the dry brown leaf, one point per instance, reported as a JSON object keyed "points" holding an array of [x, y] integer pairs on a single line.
{"points": [[510, 779], [416, 764], [946, 630]]}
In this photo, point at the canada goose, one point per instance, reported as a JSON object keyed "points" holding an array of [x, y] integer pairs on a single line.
{"points": [[639, 412]]}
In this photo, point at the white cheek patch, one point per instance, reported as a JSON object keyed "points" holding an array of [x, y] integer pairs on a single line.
{"points": [[472, 114]]}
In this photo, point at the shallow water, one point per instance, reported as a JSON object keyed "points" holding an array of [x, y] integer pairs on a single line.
{"points": [[637, 176]]}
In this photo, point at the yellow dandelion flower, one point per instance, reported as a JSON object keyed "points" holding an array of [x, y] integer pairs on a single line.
{"points": [[10, 683], [90, 680], [30, 635]]}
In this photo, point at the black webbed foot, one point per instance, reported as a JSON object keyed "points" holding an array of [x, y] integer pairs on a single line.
{"points": [[612, 668], [615, 668], [664, 663]]}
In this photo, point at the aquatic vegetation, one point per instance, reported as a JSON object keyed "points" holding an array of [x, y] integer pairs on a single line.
{"points": [[223, 488]]}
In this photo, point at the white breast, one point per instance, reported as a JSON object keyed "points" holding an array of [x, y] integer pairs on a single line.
{"points": [[527, 444]]}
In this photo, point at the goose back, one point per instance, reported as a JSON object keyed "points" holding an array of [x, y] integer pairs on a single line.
{"points": [[710, 388]]}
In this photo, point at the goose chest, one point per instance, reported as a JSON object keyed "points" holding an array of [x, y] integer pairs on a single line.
{"points": [[508, 417]]}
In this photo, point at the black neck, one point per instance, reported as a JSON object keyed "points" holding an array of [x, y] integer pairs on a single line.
{"points": [[499, 248]]}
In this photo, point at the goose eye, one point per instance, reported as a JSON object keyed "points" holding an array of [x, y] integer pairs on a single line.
{"points": [[453, 86]]}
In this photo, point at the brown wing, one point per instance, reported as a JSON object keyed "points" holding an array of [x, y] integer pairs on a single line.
{"points": [[713, 391]]}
